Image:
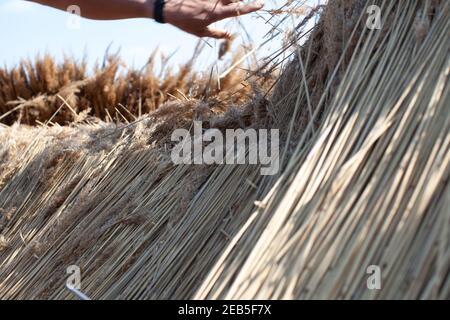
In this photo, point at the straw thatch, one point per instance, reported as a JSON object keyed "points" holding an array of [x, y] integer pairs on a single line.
{"points": [[33, 91], [365, 157]]}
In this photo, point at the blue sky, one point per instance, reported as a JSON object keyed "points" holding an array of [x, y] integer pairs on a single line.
{"points": [[27, 29]]}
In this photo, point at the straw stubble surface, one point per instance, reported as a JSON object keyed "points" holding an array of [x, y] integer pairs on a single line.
{"points": [[364, 181]]}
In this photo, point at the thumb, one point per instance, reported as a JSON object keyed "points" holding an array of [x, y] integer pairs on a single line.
{"points": [[216, 33], [238, 8]]}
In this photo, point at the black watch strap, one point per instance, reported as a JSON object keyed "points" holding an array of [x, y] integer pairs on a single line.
{"points": [[158, 11]]}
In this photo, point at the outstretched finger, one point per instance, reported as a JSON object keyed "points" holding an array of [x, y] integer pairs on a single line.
{"points": [[225, 2], [238, 8]]}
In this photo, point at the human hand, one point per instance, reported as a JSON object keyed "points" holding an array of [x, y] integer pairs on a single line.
{"points": [[196, 16]]}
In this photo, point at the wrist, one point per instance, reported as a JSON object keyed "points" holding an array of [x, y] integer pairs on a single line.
{"points": [[149, 6], [158, 10]]}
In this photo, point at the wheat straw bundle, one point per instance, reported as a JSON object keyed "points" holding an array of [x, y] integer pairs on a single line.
{"points": [[365, 131]]}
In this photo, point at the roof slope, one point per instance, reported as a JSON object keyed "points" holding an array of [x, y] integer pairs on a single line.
{"points": [[364, 181]]}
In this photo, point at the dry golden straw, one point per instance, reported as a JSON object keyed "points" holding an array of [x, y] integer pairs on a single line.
{"points": [[365, 124]]}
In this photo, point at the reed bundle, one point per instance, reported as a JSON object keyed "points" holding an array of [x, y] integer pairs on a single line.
{"points": [[365, 126]]}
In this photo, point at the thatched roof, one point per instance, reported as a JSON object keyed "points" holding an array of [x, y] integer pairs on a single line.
{"points": [[365, 123]]}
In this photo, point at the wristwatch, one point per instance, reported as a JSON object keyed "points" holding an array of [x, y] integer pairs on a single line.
{"points": [[158, 11]]}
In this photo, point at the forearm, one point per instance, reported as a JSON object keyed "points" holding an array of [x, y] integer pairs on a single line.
{"points": [[106, 9], [193, 16]]}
